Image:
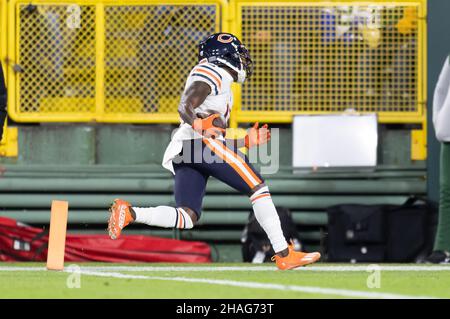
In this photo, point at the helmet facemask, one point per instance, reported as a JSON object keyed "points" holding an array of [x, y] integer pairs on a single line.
{"points": [[246, 62], [240, 62]]}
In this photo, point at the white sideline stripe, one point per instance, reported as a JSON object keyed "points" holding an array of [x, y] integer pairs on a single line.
{"points": [[22, 269], [358, 268], [263, 268], [257, 285], [109, 274]]}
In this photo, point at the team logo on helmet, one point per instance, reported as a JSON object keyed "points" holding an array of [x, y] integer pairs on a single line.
{"points": [[225, 38]]}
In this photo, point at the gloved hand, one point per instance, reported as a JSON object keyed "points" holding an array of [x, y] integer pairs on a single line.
{"points": [[207, 127], [257, 136]]}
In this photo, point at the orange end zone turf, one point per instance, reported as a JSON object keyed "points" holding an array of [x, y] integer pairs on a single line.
{"points": [[57, 237]]}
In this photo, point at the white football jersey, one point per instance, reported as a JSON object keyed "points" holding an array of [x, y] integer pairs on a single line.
{"points": [[219, 80], [220, 100]]}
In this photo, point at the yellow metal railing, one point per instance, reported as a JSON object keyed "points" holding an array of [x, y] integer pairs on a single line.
{"points": [[3, 28], [126, 61], [329, 57], [9, 142], [105, 61]]}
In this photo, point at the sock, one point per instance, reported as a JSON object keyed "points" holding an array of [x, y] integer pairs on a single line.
{"points": [[163, 216], [267, 216]]}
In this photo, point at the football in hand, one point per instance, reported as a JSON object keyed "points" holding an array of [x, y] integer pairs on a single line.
{"points": [[219, 122]]}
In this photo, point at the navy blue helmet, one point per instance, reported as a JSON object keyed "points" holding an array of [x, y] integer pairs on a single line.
{"points": [[226, 49]]}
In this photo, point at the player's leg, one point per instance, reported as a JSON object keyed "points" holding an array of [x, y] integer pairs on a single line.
{"points": [[234, 169], [189, 190], [442, 241], [287, 258]]}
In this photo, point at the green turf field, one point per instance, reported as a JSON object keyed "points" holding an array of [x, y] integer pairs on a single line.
{"points": [[31, 280]]}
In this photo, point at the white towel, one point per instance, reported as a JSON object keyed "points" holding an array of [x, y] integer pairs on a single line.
{"points": [[184, 132], [441, 104]]}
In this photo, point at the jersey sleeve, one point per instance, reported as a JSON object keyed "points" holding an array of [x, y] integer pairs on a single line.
{"points": [[207, 74]]}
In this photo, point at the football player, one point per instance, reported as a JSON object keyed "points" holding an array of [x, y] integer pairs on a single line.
{"points": [[199, 150]]}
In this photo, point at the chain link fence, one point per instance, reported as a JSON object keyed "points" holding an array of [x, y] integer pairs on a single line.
{"points": [[119, 62]]}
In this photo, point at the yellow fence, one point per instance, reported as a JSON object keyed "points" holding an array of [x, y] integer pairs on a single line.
{"points": [[105, 61], [3, 28], [126, 61], [325, 57]]}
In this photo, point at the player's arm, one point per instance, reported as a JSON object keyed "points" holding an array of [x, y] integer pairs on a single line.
{"points": [[194, 96]]}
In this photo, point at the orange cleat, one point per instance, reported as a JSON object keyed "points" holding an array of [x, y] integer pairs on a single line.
{"points": [[120, 217], [295, 259]]}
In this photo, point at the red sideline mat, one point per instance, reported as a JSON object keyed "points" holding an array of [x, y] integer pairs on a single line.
{"points": [[19, 242]]}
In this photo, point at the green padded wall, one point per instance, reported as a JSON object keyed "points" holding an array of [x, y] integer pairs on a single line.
{"points": [[129, 145], [57, 144]]}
